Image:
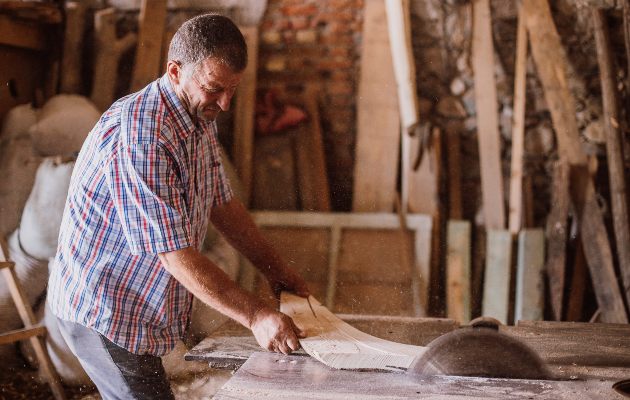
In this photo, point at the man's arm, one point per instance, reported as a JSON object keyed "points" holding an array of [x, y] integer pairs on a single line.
{"points": [[233, 221], [273, 330]]}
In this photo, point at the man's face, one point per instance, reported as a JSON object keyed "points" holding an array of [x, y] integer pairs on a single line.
{"points": [[206, 92]]}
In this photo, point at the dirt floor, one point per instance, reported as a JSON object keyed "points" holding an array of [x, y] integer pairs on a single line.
{"points": [[24, 383]]}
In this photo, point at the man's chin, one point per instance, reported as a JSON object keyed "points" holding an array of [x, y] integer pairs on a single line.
{"points": [[208, 116]]}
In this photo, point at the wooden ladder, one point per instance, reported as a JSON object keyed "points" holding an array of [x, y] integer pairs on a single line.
{"points": [[31, 330]]}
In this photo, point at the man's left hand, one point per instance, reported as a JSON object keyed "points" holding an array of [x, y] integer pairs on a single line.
{"points": [[288, 280]]}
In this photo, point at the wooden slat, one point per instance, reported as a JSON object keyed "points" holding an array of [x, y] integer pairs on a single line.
{"points": [[6, 264], [546, 51], [22, 34], [108, 53], [71, 59], [150, 36], [557, 236], [575, 302], [518, 128], [616, 170], [277, 376], [339, 345], [487, 117], [530, 288], [21, 334], [245, 103], [378, 119], [496, 291], [453, 157], [333, 261], [458, 271]]}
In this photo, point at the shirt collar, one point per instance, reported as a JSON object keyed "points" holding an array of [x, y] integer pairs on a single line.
{"points": [[175, 108]]}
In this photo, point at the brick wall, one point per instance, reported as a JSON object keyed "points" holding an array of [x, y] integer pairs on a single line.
{"points": [[305, 41]]}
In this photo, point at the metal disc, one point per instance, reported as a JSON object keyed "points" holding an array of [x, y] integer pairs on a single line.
{"points": [[481, 352]]}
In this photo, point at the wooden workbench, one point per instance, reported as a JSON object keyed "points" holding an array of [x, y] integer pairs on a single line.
{"points": [[587, 359]]}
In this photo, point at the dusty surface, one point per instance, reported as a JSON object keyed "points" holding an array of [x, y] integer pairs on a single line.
{"points": [[23, 383]]}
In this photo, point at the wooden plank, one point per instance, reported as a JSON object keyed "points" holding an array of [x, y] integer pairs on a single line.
{"points": [[28, 35], [333, 262], [310, 157], [245, 103], [21, 334], [339, 345], [546, 51], [616, 170], [518, 128], [557, 235], [487, 118], [108, 53], [71, 58], [275, 376], [579, 343], [453, 158], [458, 271], [151, 28], [575, 303], [530, 288], [496, 292], [422, 183], [378, 119]]}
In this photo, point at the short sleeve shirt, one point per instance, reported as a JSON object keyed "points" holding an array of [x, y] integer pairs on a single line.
{"points": [[144, 183]]}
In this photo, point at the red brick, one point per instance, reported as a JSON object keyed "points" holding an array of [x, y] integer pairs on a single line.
{"points": [[298, 23], [266, 25], [340, 88], [340, 114], [307, 51], [339, 76], [339, 4], [340, 51], [338, 27], [345, 39], [340, 101], [296, 63], [298, 9], [343, 16], [288, 36], [335, 64], [282, 24]]}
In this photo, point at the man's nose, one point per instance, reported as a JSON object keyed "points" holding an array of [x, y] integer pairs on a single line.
{"points": [[224, 100]]}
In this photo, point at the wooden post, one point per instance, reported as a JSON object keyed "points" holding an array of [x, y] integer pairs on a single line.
{"points": [[557, 234], [530, 289], [378, 117], [518, 128], [244, 109], [487, 118], [616, 172], [496, 291], [108, 53], [71, 59], [458, 271], [150, 35]]}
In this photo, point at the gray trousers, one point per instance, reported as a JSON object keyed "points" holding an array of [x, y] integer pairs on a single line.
{"points": [[117, 373]]}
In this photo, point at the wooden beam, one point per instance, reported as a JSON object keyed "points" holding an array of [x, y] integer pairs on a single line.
{"points": [[530, 288], [518, 128], [453, 158], [22, 34], [21, 334], [616, 170], [487, 116], [152, 21], [71, 58], [378, 118], [458, 271], [557, 236], [496, 291], [244, 109], [108, 53], [339, 345]]}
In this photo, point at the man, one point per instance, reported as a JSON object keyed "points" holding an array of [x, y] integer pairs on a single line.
{"points": [[147, 180]]}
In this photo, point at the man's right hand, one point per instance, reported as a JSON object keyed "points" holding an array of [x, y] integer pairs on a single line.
{"points": [[276, 331]]}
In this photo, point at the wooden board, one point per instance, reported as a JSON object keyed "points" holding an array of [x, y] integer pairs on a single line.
{"points": [[18, 33], [496, 291], [339, 345], [244, 109], [378, 118], [152, 22], [421, 185], [277, 376], [518, 128], [453, 158], [616, 169], [557, 235], [71, 59], [487, 117], [458, 271], [530, 288]]}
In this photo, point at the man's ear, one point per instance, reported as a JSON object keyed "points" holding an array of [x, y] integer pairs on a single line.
{"points": [[174, 71]]}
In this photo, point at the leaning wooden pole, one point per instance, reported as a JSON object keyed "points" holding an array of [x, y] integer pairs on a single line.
{"points": [[613, 147]]}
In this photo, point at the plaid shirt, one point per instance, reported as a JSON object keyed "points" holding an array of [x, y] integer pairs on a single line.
{"points": [[144, 183]]}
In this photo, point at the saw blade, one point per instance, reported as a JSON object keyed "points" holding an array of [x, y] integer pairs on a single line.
{"points": [[480, 352]]}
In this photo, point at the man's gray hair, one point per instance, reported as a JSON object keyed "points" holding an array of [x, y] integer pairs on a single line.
{"points": [[208, 36]]}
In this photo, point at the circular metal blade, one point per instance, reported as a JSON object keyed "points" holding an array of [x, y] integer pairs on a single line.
{"points": [[480, 352]]}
